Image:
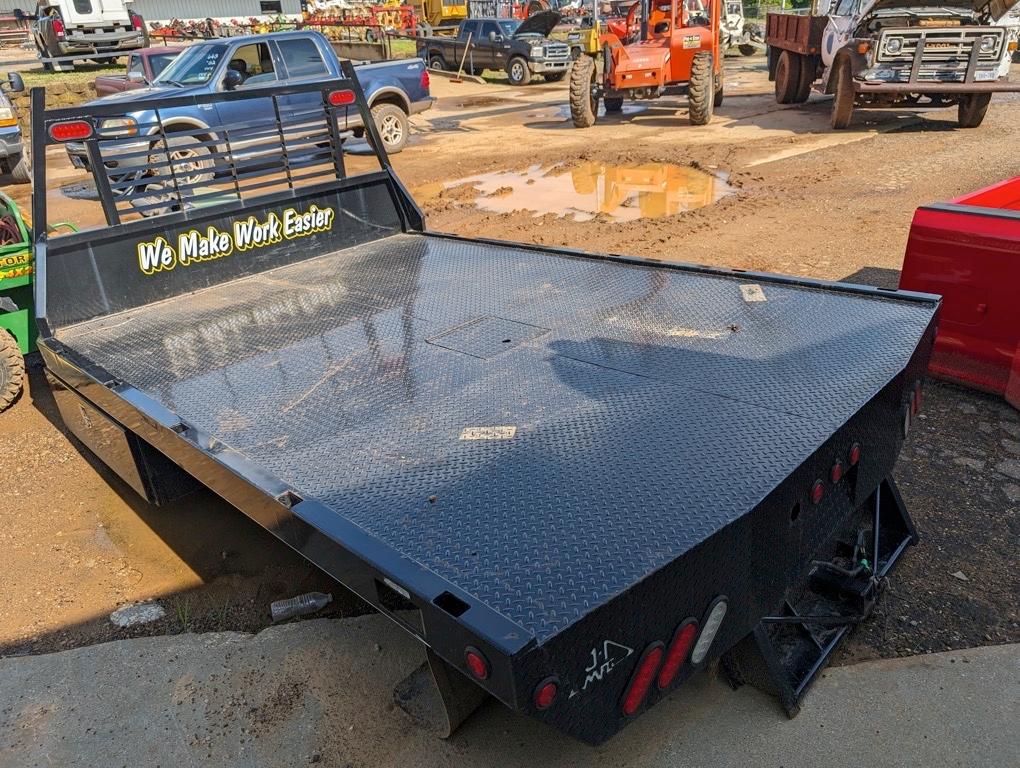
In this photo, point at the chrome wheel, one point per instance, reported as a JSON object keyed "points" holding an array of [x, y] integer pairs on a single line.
{"points": [[391, 130]]}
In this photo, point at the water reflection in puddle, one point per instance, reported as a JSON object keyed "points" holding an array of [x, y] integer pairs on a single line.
{"points": [[623, 192]]}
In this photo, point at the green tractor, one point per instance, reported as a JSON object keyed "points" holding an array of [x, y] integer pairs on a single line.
{"points": [[17, 319]]}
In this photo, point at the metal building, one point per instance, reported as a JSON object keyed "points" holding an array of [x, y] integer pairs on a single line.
{"points": [[165, 10]]}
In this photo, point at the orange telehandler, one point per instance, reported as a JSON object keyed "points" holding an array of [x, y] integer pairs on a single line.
{"points": [[668, 44]]}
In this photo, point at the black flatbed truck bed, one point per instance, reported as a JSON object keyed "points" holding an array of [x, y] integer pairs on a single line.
{"points": [[543, 462]]}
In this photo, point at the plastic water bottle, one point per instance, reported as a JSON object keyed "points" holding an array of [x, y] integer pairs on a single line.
{"points": [[302, 605]]}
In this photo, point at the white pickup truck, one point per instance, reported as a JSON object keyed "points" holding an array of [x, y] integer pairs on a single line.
{"points": [[894, 53], [70, 30]]}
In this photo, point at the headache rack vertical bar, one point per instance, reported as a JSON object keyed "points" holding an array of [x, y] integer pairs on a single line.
{"points": [[169, 160], [366, 115], [39, 142], [283, 140], [334, 136], [102, 181]]}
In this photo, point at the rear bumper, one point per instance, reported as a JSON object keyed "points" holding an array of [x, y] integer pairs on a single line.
{"points": [[995, 86], [422, 105], [101, 43]]}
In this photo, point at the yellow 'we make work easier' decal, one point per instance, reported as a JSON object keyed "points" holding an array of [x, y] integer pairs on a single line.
{"points": [[195, 246]]}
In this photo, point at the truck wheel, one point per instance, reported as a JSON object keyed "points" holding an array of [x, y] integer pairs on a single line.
{"points": [[972, 109], [805, 77], [720, 87], [614, 104], [787, 78], [393, 126], [746, 49], [584, 104], [19, 171], [12, 370], [553, 77], [191, 163], [436, 62], [843, 95], [517, 71], [701, 90]]}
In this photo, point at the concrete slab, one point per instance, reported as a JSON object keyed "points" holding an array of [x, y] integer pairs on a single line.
{"points": [[319, 692]]}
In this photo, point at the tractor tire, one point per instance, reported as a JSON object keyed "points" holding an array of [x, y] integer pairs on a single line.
{"points": [[554, 77], [720, 88], [806, 78], [701, 90], [972, 109], [614, 104], [20, 173], [436, 62], [746, 49], [584, 105], [12, 370], [787, 77], [843, 95], [517, 71]]}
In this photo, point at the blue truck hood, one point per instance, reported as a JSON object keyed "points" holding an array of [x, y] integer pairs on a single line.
{"points": [[147, 93]]}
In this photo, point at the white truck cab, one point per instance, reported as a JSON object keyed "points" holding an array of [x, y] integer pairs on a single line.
{"points": [[66, 30]]}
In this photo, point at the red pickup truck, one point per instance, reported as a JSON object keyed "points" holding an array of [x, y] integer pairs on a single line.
{"points": [[143, 66], [968, 250]]}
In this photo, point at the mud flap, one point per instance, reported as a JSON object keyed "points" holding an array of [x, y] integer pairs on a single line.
{"points": [[437, 697], [784, 653]]}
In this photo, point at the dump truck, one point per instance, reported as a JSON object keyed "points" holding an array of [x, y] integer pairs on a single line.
{"points": [[576, 478], [901, 54]]}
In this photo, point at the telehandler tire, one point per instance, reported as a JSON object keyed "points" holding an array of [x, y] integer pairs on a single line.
{"points": [[720, 88], [584, 104], [701, 90], [12, 370], [613, 104], [787, 78], [972, 109]]}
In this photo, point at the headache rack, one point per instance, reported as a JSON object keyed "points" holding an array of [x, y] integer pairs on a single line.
{"points": [[576, 478]]}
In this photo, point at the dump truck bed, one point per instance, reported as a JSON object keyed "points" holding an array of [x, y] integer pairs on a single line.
{"points": [[576, 478], [539, 429]]}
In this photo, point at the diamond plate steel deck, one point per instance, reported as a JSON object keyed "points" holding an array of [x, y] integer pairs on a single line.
{"points": [[660, 406]]}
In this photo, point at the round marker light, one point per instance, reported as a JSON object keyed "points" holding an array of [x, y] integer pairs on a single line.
{"points": [[477, 663], [836, 474], [817, 492], [708, 630], [545, 694], [855, 454]]}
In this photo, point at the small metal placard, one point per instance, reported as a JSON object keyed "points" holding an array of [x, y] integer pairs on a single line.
{"points": [[752, 292], [487, 433]]}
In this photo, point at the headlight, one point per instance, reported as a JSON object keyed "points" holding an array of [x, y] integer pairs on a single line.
{"points": [[7, 117], [894, 45], [118, 127], [536, 50], [987, 44]]}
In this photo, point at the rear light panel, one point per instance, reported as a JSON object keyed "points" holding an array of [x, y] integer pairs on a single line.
{"points": [[72, 130], [58, 27], [641, 681], [137, 22], [678, 651], [425, 80]]}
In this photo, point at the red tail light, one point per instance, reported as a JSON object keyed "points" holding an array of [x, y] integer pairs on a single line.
{"points": [[683, 639], [71, 130], [477, 663], [545, 693], [855, 454], [341, 98], [639, 684], [817, 492], [136, 22], [58, 27], [425, 82], [836, 473]]}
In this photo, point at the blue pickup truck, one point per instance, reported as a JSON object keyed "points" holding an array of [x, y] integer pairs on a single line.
{"points": [[394, 89]]}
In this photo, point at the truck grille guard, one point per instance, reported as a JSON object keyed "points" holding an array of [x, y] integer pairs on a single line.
{"points": [[938, 55]]}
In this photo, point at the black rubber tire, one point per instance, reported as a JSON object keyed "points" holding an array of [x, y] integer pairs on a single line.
{"points": [[805, 78], [614, 104], [842, 95], [746, 49], [720, 88], [584, 105], [436, 62], [393, 126], [701, 89], [554, 77], [12, 370], [20, 173], [204, 169], [787, 77], [972, 109], [517, 71]]}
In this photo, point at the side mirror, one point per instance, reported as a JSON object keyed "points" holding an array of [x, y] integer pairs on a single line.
{"points": [[232, 79], [492, 37], [14, 82]]}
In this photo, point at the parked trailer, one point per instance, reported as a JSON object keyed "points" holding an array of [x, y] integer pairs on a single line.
{"points": [[576, 478], [893, 53], [968, 250]]}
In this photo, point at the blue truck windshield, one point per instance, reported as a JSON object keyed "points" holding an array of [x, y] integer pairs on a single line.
{"points": [[193, 67]]}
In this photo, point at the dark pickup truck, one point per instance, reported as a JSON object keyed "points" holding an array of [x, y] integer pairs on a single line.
{"points": [[577, 479], [144, 66], [521, 48]]}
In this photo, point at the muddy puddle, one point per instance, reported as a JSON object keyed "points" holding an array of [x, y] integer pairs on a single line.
{"points": [[622, 192]]}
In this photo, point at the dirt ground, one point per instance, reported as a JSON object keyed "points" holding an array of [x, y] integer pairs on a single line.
{"points": [[800, 199]]}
